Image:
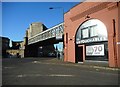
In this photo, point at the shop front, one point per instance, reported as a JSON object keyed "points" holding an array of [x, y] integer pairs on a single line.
{"points": [[91, 41], [92, 33]]}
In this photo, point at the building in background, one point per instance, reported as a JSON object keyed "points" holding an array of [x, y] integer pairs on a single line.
{"points": [[42, 51], [35, 28], [5, 45], [15, 51], [19, 48], [92, 33], [16, 44]]}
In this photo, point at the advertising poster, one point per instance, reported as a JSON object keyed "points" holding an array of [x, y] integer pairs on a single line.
{"points": [[95, 50]]}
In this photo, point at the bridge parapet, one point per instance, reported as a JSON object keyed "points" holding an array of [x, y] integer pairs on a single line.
{"points": [[56, 31]]}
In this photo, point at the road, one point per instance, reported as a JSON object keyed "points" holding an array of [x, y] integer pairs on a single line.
{"points": [[48, 71]]}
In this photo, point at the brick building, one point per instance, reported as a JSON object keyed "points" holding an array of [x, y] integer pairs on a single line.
{"points": [[92, 33]]}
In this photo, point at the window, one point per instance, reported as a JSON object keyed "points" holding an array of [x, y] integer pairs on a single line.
{"points": [[66, 37], [93, 31], [53, 32], [85, 33]]}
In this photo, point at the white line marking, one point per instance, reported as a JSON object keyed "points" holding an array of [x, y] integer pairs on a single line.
{"points": [[49, 75], [60, 75], [9, 67]]}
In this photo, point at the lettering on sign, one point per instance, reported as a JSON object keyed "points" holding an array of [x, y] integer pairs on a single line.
{"points": [[95, 50], [96, 39]]}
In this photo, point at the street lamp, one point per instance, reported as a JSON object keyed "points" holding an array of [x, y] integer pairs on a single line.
{"points": [[61, 55]]}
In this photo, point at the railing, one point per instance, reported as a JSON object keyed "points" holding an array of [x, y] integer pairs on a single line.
{"points": [[56, 31]]}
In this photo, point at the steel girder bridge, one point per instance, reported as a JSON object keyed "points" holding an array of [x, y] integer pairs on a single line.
{"points": [[48, 37], [55, 34]]}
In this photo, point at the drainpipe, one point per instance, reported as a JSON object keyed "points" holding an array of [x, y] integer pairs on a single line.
{"points": [[114, 43]]}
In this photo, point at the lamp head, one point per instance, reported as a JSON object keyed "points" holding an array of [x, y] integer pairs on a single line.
{"points": [[51, 8]]}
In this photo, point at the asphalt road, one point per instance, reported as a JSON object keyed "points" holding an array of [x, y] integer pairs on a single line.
{"points": [[37, 71]]}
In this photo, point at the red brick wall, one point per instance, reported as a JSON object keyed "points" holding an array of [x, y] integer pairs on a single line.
{"points": [[103, 11]]}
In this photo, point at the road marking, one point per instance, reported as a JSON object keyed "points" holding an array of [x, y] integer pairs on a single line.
{"points": [[21, 76], [49, 75], [107, 68], [8, 67], [60, 75], [35, 62]]}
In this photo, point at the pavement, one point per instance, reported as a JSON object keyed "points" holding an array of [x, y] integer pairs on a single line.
{"points": [[51, 71], [86, 64]]}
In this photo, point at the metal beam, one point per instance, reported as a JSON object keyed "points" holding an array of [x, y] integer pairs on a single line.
{"points": [[47, 34]]}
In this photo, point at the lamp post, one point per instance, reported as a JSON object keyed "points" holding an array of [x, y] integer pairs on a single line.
{"points": [[60, 53]]}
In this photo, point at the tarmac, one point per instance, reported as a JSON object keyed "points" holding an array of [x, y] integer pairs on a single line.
{"points": [[53, 71], [101, 65]]}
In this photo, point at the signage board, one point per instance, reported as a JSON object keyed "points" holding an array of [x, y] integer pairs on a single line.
{"points": [[95, 50]]}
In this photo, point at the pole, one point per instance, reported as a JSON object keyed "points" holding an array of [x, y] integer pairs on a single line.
{"points": [[61, 53]]}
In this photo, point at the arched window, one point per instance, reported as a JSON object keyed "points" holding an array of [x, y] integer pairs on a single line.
{"points": [[92, 30]]}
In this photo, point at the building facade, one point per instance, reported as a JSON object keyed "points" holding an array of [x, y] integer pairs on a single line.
{"points": [[15, 51], [5, 45], [92, 33], [35, 28], [36, 50]]}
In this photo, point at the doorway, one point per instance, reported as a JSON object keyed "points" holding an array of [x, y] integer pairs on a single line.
{"points": [[80, 53]]}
